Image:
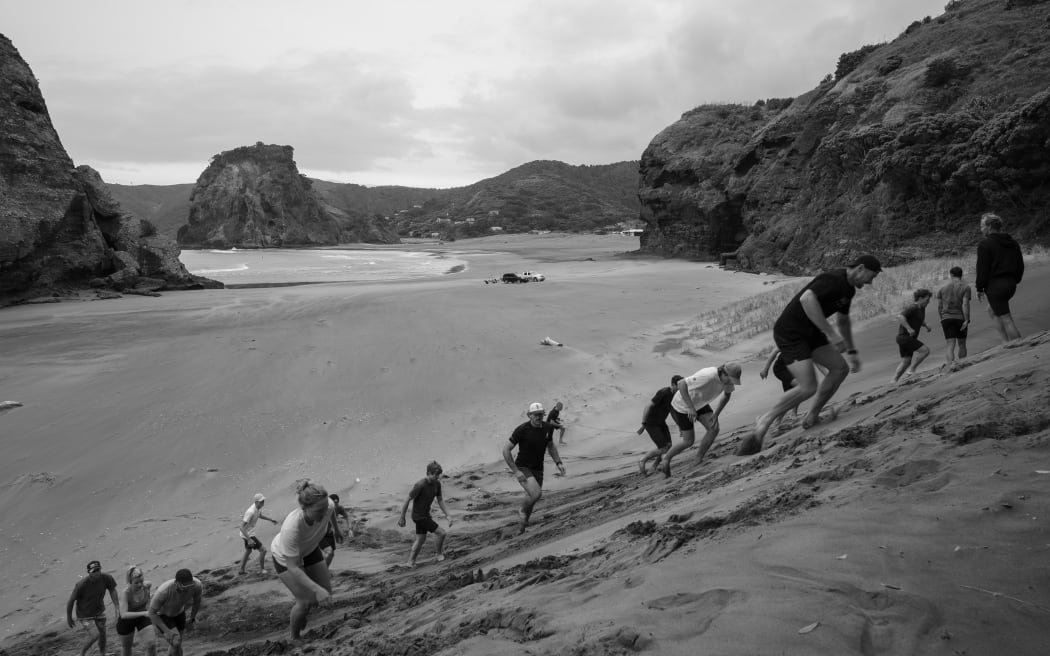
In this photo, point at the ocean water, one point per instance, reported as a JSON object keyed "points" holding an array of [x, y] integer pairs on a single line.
{"points": [[297, 266]]}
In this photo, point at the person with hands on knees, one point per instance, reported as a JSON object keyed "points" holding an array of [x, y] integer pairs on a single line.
{"points": [[421, 497], [691, 404], [806, 338], [167, 609], [533, 440], [297, 555]]}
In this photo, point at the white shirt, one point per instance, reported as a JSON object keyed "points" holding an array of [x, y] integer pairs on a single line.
{"points": [[704, 386], [298, 539], [251, 516]]}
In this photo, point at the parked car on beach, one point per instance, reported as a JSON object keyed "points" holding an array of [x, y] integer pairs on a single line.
{"points": [[512, 277], [532, 276]]}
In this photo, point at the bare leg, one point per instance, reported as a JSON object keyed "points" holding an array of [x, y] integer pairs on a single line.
{"points": [[262, 561], [837, 368], [949, 353], [918, 357], [244, 559], [805, 386], [709, 423], [1009, 327], [440, 546], [656, 455], [87, 645], [998, 323], [533, 492], [126, 641], [688, 437], [902, 366], [561, 435], [962, 347], [416, 547]]}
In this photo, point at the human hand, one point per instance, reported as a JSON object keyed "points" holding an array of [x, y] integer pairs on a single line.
{"points": [[323, 597], [274, 522], [762, 374], [692, 416], [641, 429], [837, 340], [561, 469], [401, 522], [72, 624], [980, 296], [190, 624]]}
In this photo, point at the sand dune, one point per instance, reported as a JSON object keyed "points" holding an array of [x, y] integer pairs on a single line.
{"points": [[909, 525]]}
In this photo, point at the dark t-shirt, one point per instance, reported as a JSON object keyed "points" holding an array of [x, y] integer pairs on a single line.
{"points": [[423, 494], [552, 417], [915, 316], [833, 292], [90, 593], [661, 406], [532, 445]]}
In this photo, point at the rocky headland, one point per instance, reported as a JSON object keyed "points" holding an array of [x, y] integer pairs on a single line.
{"points": [[897, 152], [60, 228]]}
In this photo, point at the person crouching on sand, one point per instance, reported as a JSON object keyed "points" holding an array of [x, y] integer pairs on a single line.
{"points": [[297, 556], [533, 440], [421, 497], [911, 319], [691, 404], [167, 608]]}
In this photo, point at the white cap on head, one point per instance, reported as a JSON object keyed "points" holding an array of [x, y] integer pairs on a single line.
{"points": [[259, 497], [536, 407]]}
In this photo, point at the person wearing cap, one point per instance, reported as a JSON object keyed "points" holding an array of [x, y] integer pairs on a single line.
{"points": [[167, 608], [806, 338], [89, 598], [533, 441], [422, 497], [654, 422], [691, 403], [251, 543]]}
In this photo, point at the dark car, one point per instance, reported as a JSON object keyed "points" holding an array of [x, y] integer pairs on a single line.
{"points": [[513, 277]]}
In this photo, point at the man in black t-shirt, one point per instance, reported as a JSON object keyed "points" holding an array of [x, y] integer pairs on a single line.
{"points": [[89, 598], [554, 422], [533, 441], [805, 337], [654, 422]]}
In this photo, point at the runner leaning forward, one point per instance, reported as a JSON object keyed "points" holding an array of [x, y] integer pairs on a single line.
{"points": [[533, 441]]}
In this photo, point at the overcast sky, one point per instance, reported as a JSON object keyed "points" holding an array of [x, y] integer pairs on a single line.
{"points": [[427, 93]]}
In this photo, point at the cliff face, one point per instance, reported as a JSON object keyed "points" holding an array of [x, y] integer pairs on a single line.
{"points": [[898, 155], [254, 197], [59, 227]]}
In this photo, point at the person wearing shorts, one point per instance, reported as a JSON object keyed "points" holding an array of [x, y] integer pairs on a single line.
{"points": [[554, 422], [654, 422], [953, 308], [330, 538], [251, 543], [533, 441], [805, 338], [89, 599], [1000, 267], [690, 404], [910, 320], [134, 613], [422, 497], [297, 556], [167, 609]]}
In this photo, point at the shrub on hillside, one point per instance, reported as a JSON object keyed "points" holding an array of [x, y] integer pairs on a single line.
{"points": [[146, 228], [892, 63], [849, 61], [942, 70]]}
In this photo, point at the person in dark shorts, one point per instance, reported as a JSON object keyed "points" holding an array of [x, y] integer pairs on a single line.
{"points": [[330, 538], [1000, 267], [297, 556], [422, 497], [554, 421], [805, 338], [953, 307], [251, 543], [533, 441], [89, 598], [167, 609], [654, 422], [910, 320], [691, 404], [134, 613], [780, 370]]}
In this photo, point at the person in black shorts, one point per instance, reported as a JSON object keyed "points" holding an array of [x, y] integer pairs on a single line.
{"points": [[783, 374], [533, 441], [910, 320], [654, 422], [89, 598], [421, 497], [805, 338], [134, 613], [554, 422], [330, 538], [1000, 267], [953, 307]]}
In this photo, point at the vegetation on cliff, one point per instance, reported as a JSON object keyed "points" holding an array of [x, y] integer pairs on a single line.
{"points": [[897, 153]]}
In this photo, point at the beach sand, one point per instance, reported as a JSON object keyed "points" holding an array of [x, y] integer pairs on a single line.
{"points": [[914, 523]]}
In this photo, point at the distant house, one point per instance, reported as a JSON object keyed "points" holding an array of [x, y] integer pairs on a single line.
{"points": [[495, 229], [435, 235], [632, 232], [493, 212]]}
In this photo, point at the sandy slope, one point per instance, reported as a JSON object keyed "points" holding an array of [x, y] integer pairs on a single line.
{"points": [[148, 423]]}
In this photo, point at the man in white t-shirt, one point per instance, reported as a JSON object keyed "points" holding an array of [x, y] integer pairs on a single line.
{"points": [[251, 516], [691, 403]]}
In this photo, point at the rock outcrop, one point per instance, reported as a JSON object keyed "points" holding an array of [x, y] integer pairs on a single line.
{"points": [[897, 154], [254, 197], [60, 229]]}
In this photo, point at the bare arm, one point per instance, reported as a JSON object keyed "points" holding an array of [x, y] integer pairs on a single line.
{"points": [[441, 503], [846, 330], [722, 403], [508, 456], [69, 607], [903, 321], [966, 305], [553, 450], [130, 614], [769, 363], [116, 602], [404, 509]]}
